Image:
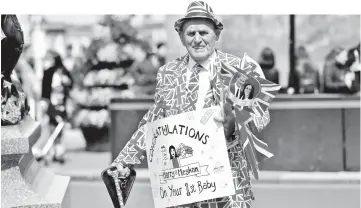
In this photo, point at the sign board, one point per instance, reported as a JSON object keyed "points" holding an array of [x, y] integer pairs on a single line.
{"points": [[188, 159]]}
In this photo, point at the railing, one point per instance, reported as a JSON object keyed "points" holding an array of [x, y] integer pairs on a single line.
{"points": [[40, 150]]}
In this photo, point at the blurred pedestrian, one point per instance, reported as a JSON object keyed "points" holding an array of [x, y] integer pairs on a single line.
{"points": [[69, 59], [351, 60], [267, 62], [145, 74], [307, 71], [161, 53], [335, 72], [56, 85]]}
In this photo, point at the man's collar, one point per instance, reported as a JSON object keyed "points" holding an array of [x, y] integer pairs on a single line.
{"points": [[205, 64]]}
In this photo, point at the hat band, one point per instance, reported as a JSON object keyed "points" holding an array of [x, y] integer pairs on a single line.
{"points": [[195, 10], [196, 14]]}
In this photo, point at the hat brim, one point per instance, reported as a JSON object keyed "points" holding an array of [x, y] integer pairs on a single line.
{"points": [[179, 23]]}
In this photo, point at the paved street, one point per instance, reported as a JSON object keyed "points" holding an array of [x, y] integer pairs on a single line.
{"points": [[273, 190], [94, 194]]}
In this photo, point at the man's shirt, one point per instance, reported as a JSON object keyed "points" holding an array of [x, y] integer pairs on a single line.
{"points": [[204, 77]]}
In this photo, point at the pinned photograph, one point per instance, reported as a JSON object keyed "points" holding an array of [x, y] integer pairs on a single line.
{"points": [[243, 90]]}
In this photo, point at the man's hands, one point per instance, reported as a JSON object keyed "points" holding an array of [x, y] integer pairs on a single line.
{"points": [[226, 117], [124, 171]]}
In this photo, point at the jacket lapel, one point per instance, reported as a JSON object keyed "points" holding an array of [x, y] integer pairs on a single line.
{"points": [[176, 96], [176, 92], [212, 96]]}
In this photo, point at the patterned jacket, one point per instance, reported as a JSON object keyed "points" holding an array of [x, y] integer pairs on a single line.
{"points": [[170, 99]]}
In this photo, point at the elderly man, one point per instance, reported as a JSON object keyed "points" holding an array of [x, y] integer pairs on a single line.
{"points": [[191, 83]]}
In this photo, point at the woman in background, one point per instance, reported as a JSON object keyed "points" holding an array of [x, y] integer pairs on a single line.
{"points": [[56, 85], [334, 73], [350, 59], [267, 63], [309, 79]]}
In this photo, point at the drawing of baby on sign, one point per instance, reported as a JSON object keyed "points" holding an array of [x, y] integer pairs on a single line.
{"points": [[181, 159]]}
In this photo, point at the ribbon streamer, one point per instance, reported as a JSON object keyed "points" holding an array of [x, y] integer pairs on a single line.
{"points": [[257, 113], [250, 142]]}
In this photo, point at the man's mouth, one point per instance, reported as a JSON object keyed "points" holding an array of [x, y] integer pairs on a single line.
{"points": [[198, 47]]}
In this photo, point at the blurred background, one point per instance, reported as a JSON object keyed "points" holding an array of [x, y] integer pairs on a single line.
{"points": [[82, 73]]}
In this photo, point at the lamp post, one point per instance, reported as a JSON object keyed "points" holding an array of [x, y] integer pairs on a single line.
{"points": [[292, 76]]}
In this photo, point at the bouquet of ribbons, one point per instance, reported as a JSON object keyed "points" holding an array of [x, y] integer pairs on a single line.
{"points": [[250, 108]]}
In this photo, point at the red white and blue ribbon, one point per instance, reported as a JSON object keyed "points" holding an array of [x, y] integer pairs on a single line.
{"points": [[257, 114]]}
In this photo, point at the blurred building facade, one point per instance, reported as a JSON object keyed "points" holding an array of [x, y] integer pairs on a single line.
{"points": [[242, 33], [251, 33]]}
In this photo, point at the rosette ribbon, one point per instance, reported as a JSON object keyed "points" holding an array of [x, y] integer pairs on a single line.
{"points": [[256, 114]]}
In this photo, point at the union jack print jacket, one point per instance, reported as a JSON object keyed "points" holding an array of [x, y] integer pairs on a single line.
{"points": [[170, 99]]}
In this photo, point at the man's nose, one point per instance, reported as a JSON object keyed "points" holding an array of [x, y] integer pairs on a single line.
{"points": [[197, 38]]}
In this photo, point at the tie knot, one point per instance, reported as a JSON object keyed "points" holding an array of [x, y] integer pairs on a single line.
{"points": [[197, 67]]}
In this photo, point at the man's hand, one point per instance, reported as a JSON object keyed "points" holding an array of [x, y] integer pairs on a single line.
{"points": [[124, 171], [228, 120]]}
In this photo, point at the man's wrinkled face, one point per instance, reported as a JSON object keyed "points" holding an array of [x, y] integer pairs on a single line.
{"points": [[199, 36]]}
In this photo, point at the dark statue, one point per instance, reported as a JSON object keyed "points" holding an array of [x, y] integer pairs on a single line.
{"points": [[14, 105]]}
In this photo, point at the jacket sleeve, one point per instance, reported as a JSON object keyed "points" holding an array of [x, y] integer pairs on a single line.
{"points": [[135, 150]]}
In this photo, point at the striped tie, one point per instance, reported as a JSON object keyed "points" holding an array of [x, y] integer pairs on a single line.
{"points": [[193, 86], [238, 94]]}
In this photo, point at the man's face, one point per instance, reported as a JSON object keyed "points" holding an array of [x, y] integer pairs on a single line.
{"points": [[239, 83], [199, 37]]}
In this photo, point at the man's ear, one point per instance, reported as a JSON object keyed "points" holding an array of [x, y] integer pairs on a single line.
{"points": [[218, 34], [181, 36]]}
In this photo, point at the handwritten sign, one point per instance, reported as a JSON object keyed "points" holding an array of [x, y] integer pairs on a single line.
{"points": [[188, 159]]}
